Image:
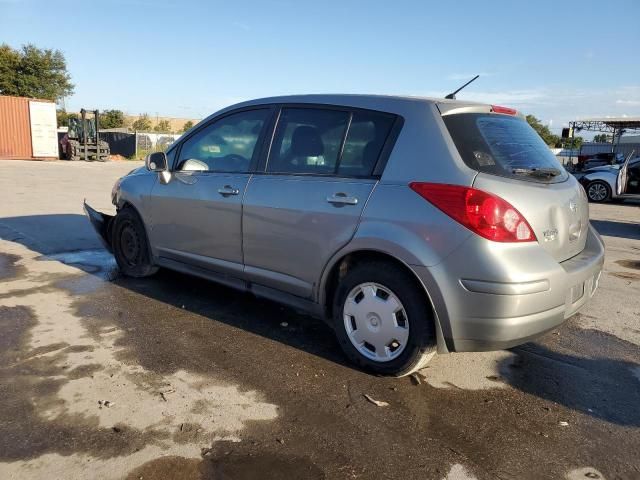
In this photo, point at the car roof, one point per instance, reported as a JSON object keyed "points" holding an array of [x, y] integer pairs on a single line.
{"points": [[390, 103], [347, 98]]}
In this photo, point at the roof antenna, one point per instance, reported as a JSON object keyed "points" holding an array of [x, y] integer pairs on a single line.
{"points": [[452, 96]]}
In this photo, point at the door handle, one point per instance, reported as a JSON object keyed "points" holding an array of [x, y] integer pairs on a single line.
{"points": [[342, 199], [228, 190]]}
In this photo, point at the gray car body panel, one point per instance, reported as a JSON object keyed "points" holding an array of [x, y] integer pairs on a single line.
{"points": [[280, 238], [560, 222], [290, 230], [210, 235]]}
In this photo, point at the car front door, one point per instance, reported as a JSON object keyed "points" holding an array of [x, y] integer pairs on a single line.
{"points": [[628, 180], [197, 214], [308, 202]]}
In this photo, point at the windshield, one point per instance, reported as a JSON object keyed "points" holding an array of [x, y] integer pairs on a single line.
{"points": [[503, 145]]}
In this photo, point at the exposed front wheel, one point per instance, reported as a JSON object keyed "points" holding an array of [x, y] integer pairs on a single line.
{"points": [[130, 246], [598, 191], [383, 320]]}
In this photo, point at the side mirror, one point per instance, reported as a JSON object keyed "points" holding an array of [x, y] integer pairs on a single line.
{"points": [[156, 162]]}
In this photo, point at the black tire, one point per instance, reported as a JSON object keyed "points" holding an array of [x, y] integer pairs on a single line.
{"points": [[130, 245], [597, 186], [71, 152], [421, 344]]}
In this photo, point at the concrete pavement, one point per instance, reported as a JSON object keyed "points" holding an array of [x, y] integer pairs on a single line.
{"points": [[205, 382]]}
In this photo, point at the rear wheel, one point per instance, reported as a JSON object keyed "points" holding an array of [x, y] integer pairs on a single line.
{"points": [[383, 320], [72, 151], [130, 246], [598, 191]]}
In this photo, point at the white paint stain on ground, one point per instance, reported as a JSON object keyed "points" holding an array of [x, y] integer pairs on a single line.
{"points": [[468, 371], [458, 472], [585, 473], [99, 258], [140, 398]]}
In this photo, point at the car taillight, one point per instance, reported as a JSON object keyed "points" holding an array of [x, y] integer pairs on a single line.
{"points": [[483, 213]]}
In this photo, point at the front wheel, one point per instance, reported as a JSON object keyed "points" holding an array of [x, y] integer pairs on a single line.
{"points": [[130, 245], [383, 320], [598, 191]]}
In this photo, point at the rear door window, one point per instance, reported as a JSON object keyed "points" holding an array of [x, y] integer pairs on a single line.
{"points": [[308, 140], [503, 145], [328, 142]]}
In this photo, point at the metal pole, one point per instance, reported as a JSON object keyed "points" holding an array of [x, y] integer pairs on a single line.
{"points": [[571, 129], [96, 113], [83, 113], [613, 140]]}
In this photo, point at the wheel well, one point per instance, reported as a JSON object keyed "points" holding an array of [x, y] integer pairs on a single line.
{"points": [[598, 180], [129, 206], [126, 205], [349, 261]]}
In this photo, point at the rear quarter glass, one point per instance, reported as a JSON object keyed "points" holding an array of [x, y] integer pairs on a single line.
{"points": [[499, 144]]}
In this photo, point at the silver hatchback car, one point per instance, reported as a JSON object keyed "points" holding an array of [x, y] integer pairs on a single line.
{"points": [[411, 225]]}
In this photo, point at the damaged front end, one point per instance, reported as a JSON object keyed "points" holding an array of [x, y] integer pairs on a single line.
{"points": [[102, 224]]}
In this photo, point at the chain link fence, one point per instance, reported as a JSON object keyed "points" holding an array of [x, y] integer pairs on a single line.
{"points": [[138, 144]]}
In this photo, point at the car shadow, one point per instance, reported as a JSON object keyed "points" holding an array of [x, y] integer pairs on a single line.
{"points": [[604, 388], [45, 234], [600, 387], [49, 234], [617, 229]]}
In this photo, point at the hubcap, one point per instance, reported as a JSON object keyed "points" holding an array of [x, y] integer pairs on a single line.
{"points": [[597, 192], [376, 322]]}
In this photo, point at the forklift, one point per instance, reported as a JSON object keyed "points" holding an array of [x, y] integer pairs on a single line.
{"points": [[82, 141]]}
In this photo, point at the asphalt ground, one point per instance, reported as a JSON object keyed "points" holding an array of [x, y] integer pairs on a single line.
{"points": [[173, 377]]}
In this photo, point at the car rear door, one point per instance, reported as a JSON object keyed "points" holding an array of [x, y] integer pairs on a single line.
{"points": [[197, 215], [307, 203]]}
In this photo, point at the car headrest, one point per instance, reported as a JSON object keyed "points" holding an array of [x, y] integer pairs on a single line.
{"points": [[306, 142]]}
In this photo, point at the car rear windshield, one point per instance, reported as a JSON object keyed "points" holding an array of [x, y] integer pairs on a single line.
{"points": [[503, 145]]}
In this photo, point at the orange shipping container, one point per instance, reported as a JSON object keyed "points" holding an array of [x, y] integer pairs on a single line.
{"points": [[15, 128]]}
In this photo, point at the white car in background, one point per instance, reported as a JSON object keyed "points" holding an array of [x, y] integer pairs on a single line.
{"points": [[612, 182]]}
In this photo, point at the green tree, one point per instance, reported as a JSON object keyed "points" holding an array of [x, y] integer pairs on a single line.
{"points": [[187, 125], [575, 142], [163, 126], [63, 117], [544, 132], [111, 119], [142, 124], [33, 72], [602, 138]]}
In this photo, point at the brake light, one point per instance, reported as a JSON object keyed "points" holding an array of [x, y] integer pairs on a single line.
{"points": [[505, 110], [485, 214]]}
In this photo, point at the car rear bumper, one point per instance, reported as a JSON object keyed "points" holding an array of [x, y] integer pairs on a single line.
{"points": [[480, 315]]}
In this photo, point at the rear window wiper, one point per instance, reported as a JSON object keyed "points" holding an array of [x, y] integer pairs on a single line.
{"points": [[537, 172]]}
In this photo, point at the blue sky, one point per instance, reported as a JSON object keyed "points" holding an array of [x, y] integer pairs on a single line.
{"points": [[559, 60]]}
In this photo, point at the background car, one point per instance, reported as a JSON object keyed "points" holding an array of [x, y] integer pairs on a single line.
{"points": [[600, 159], [600, 182]]}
